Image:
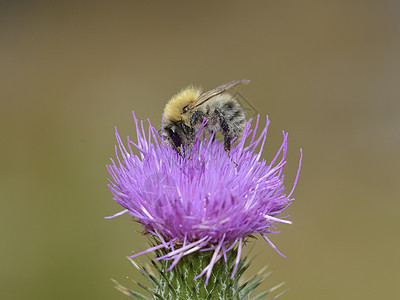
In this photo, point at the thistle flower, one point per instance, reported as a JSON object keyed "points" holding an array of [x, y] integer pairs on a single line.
{"points": [[210, 201]]}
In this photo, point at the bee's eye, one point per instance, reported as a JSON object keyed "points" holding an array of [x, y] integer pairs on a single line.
{"points": [[174, 136], [176, 139]]}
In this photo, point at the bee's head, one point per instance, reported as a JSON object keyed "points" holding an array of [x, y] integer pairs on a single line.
{"points": [[177, 134]]}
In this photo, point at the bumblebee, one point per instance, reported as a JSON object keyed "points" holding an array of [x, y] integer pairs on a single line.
{"points": [[184, 114]]}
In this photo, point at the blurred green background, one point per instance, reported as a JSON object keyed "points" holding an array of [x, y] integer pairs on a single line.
{"points": [[328, 72]]}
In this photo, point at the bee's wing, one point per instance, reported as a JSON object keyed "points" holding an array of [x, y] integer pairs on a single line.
{"points": [[214, 92]]}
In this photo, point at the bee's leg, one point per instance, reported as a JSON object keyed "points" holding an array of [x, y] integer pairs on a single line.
{"points": [[190, 142], [190, 151], [191, 136], [227, 144], [197, 117], [225, 130], [213, 134], [178, 150], [227, 134], [227, 147]]}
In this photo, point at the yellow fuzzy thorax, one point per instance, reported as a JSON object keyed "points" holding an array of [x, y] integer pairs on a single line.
{"points": [[173, 111]]}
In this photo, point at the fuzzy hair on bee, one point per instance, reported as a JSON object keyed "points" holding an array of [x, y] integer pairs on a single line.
{"points": [[184, 114]]}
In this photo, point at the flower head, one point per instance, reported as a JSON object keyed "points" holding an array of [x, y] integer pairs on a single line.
{"points": [[208, 201]]}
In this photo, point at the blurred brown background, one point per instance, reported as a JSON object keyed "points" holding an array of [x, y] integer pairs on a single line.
{"points": [[327, 72]]}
